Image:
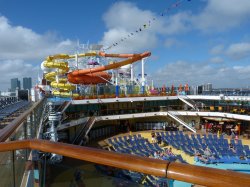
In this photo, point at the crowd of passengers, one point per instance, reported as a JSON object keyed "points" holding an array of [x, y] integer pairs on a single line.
{"points": [[208, 155], [165, 154], [203, 157], [156, 138], [229, 129]]}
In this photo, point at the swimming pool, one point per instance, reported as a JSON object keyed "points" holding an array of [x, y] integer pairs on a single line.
{"points": [[244, 168]]}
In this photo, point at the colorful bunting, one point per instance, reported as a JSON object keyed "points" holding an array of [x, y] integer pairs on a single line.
{"points": [[145, 26]]}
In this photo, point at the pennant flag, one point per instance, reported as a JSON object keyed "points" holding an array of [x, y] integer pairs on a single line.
{"points": [[172, 6]]}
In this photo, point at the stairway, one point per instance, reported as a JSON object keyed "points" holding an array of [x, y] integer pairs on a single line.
{"points": [[64, 106], [189, 102], [173, 115], [82, 135], [73, 123]]}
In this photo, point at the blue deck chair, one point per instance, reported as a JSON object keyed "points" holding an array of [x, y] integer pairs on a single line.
{"points": [[120, 139], [246, 147], [110, 141], [232, 142], [238, 142], [210, 136]]}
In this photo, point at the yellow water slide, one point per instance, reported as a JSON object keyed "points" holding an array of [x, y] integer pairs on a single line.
{"points": [[63, 88]]}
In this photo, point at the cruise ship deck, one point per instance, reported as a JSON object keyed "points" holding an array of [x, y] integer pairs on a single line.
{"points": [[158, 95], [114, 145]]}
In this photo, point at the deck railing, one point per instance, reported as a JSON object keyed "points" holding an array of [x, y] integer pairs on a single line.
{"points": [[178, 171], [7, 131]]}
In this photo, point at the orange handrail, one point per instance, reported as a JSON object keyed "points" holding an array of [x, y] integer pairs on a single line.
{"points": [[178, 171]]}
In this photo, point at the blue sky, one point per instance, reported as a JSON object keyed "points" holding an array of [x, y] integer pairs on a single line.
{"points": [[198, 42]]}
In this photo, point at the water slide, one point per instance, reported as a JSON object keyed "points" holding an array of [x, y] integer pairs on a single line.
{"points": [[94, 75], [56, 77], [85, 76]]}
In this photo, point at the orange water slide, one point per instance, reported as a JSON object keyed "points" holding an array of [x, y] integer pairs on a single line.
{"points": [[93, 75], [133, 59], [92, 78], [117, 55]]}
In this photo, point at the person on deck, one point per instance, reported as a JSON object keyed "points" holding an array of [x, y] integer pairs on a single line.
{"points": [[235, 131], [159, 139]]}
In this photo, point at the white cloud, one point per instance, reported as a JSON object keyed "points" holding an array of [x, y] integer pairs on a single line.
{"points": [[16, 69], [123, 18], [171, 42], [220, 15], [217, 60], [137, 44], [130, 18], [239, 50], [218, 49], [235, 51], [177, 23], [126, 15], [19, 46], [182, 72], [215, 16], [17, 42], [127, 20]]}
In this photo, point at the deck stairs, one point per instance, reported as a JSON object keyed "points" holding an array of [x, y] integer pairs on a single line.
{"points": [[64, 106], [174, 114], [189, 102], [82, 135]]}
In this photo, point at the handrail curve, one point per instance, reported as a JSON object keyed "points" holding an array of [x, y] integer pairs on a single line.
{"points": [[178, 171]]}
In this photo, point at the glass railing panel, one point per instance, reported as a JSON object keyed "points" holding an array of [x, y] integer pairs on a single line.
{"points": [[12, 167], [20, 158], [17, 170], [7, 169], [150, 180], [74, 173], [20, 133], [29, 127]]}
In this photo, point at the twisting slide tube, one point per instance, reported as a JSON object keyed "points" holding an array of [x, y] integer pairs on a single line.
{"points": [[63, 89], [84, 76], [96, 75]]}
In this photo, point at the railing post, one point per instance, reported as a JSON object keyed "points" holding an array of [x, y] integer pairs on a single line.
{"points": [[13, 168]]}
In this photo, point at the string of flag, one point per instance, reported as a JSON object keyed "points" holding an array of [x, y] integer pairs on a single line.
{"points": [[147, 24]]}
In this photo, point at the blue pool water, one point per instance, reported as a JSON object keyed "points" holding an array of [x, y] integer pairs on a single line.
{"points": [[244, 168]]}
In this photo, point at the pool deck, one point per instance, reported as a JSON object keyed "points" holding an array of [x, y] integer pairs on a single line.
{"points": [[186, 157]]}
